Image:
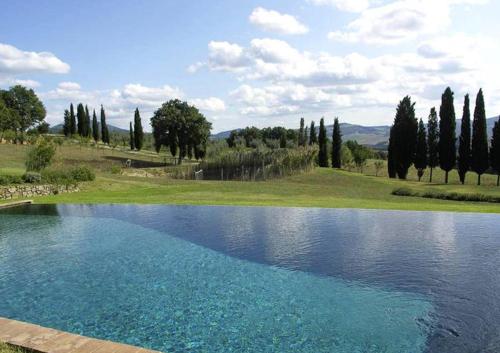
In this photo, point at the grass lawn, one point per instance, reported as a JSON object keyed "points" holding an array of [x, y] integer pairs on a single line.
{"points": [[4, 348], [323, 187]]}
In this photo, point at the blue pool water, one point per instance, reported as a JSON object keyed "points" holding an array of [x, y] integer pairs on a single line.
{"points": [[222, 279]]}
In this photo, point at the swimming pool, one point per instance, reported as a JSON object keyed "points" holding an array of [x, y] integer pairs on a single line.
{"points": [[255, 279]]}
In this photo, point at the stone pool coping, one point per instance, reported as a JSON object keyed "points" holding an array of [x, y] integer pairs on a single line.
{"points": [[15, 203], [40, 339]]}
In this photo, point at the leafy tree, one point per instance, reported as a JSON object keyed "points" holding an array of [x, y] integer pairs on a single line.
{"points": [[359, 153], [495, 150], [313, 138], [8, 119], [95, 127], [80, 117], [322, 141], [433, 141], [336, 145], [464, 149], [67, 123], [104, 127], [132, 138], [29, 110], [479, 159], [447, 137], [421, 153], [403, 141], [40, 156], [138, 131], [72, 120], [302, 138], [181, 127]]}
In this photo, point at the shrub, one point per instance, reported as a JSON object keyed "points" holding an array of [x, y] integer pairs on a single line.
{"points": [[10, 179], [40, 156], [451, 196], [116, 169], [82, 173], [403, 191], [32, 177]]}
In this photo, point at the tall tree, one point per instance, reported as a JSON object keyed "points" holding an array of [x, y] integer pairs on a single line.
{"points": [[447, 135], [313, 138], [302, 140], [283, 139], [421, 153], [495, 150], [67, 123], [479, 157], [391, 166], [322, 141], [28, 108], [104, 127], [433, 141], [132, 138], [87, 122], [464, 149], [72, 120], [179, 126], [138, 132], [336, 145], [404, 137], [80, 117], [95, 127], [306, 135]]}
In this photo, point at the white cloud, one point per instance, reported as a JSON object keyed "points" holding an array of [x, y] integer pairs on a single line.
{"points": [[211, 104], [344, 5], [273, 21], [138, 94], [16, 61], [70, 86], [225, 56]]}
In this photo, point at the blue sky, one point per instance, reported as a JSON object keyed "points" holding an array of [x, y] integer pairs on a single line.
{"points": [[252, 62]]}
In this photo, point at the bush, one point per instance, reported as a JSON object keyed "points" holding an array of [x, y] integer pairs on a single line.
{"points": [[403, 191], [10, 179], [450, 196], [40, 156], [32, 177], [82, 173]]}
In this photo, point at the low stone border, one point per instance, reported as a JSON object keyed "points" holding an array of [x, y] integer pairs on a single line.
{"points": [[15, 204], [46, 340], [32, 190]]}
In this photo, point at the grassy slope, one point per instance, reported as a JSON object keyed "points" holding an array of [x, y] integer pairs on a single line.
{"points": [[320, 188]]}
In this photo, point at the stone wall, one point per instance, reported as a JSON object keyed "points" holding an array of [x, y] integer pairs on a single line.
{"points": [[32, 190]]}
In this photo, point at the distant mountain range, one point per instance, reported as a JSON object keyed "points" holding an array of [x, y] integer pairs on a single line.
{"points": [[57, 129], [373, 136]]}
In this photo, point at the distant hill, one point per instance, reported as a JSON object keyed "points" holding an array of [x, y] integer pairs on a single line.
{"points": [[372, 136], [57, 129]]}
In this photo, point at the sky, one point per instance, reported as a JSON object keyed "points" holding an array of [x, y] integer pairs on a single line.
{"points": [[252, 63]]}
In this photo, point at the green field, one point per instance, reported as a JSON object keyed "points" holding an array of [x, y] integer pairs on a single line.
{"points": [[322, 187]]}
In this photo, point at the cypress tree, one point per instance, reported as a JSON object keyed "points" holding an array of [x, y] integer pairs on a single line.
{"points": [[447, 136], [404, 137], [479, 159], [336, 145], [72, 120], [306, 135], [302, 139], [80, 117], [313, 138], [323, 154], [391, 168], [104, 127], [283, 139], [132, 138], [421, 153], [433, 141], [67, 123], [138, 132], [464, 150], [495, 150], [87, 122], [95, 127]]}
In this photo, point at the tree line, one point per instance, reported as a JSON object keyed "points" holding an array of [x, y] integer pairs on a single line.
{"points": [[412, 143], [81, 125]]}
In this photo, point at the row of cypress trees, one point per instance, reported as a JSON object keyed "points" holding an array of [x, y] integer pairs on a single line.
{"points": [[136, 132], [308, 136], [83, 126], [411, 143]]}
